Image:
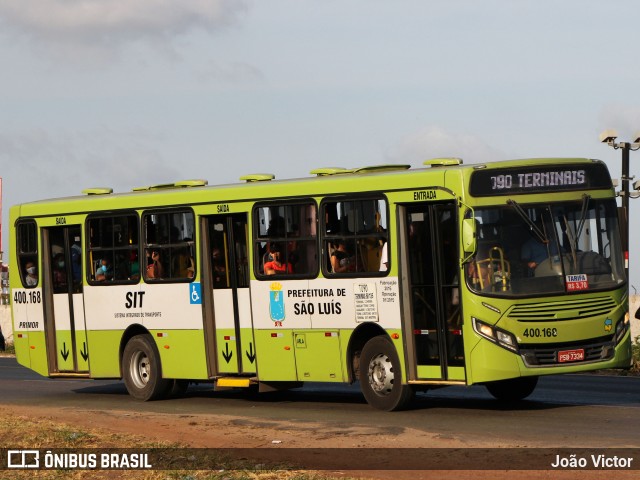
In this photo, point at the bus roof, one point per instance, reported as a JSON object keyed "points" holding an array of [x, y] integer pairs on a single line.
{"points": [[328, 180]]}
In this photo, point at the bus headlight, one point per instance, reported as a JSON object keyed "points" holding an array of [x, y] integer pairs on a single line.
{"points": [[496, 335], [622, 327]]}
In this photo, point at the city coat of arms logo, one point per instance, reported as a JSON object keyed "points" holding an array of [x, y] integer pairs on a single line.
{"points": [[276, 304]]}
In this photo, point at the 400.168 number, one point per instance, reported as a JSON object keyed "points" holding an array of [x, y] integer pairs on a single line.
{"points": [[24, 297], [540, 332]]}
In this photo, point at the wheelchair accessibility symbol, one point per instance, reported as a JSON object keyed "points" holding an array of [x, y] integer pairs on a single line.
{"points": [[195, 296]]}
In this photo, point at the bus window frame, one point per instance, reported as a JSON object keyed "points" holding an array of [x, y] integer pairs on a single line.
{"points": [[31, 256], [88, 251], [145, 246], [257, 239], [325, 238]]}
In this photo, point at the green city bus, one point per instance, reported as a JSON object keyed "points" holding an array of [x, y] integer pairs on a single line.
{"points": [[402, 279]]}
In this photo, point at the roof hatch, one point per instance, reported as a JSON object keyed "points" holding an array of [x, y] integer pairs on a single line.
{"points": [[442, 162], [381, 168], [178, 184], [325, 171], [258, 177], [97, 191]]}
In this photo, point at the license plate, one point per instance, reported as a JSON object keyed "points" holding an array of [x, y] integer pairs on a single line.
{"points": [[571, 356]]}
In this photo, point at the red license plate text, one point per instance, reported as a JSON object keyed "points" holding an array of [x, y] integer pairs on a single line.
{"points": [[571, 356]]}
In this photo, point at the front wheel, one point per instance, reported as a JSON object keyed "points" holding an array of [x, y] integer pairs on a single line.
{"points": [[381, 376], [141, 369], [513, 389]]}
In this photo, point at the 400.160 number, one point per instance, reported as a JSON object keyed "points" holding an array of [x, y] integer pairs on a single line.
{"points": [[540, 332]]}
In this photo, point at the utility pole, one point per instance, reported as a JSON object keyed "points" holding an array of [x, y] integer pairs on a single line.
{"points": [[609, 137]]}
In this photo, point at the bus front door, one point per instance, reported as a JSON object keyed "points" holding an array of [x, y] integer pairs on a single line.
{"points": [[429, 258], [67, 347], [228, 324]]}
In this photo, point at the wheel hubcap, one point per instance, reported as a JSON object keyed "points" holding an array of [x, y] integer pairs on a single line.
{"points": [[140, 369], [381, 374]]}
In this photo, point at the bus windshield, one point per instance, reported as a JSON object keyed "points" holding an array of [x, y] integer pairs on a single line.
{"points": [[556, 248]]}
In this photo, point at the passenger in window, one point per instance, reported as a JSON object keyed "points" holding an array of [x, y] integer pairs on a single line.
{"points": [[134, 266], [341, 261], [191, 268], [154, 267], [31, 279], [59, 274], [276, 227], [76, 262], [183, 264], [105, 271], [219, 269], [276, 265], [293, 253], [384, 258], [267, 257]]}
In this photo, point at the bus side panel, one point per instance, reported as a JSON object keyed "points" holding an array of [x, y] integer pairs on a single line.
{"points": [[168, 311], [182, 353], [275, 348], [318, 356], [104, 351], [28, 328], [107, 317], [36, 343], [316, 312], [31, 351], [274, 317]]}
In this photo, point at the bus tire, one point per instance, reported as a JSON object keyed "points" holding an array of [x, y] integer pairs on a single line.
{"points": [[513, 389], [381, 376], [142, 371]]}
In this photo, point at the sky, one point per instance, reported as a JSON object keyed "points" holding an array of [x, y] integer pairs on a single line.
{"points": [[126, 93]]}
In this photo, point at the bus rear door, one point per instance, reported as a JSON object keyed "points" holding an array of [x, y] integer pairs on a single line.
{"points": [[67, 347], [429, 260], [228, 323]]}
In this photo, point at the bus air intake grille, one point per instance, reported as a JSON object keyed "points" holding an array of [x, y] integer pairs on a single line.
{"points": [[565, 310], [547, 355]]}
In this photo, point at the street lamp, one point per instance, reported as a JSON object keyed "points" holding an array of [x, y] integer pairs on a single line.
{"points": [[609, 137]]}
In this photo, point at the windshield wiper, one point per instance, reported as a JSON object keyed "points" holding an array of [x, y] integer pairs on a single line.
{"points": [[583, 217], [530, 223]]}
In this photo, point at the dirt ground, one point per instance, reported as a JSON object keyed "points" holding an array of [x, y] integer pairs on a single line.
{"points": [[222, 431]]}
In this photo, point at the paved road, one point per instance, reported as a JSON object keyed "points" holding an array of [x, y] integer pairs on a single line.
{"points": [[564, 411]]}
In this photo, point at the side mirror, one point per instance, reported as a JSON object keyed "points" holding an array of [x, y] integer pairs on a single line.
{"points": [[469, 236]]}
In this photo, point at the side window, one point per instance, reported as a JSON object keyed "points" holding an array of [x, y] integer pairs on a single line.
{"points": [[285, 240], [27, 241], [355, 237], [113, 249], [169, 247]]}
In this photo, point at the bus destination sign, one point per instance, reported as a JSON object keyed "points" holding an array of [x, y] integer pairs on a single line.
{"points": [[539, 179]]}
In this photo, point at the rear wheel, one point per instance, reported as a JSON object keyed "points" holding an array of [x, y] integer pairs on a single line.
{"points": [[513, 389], [381, 376], [142, 371]]}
